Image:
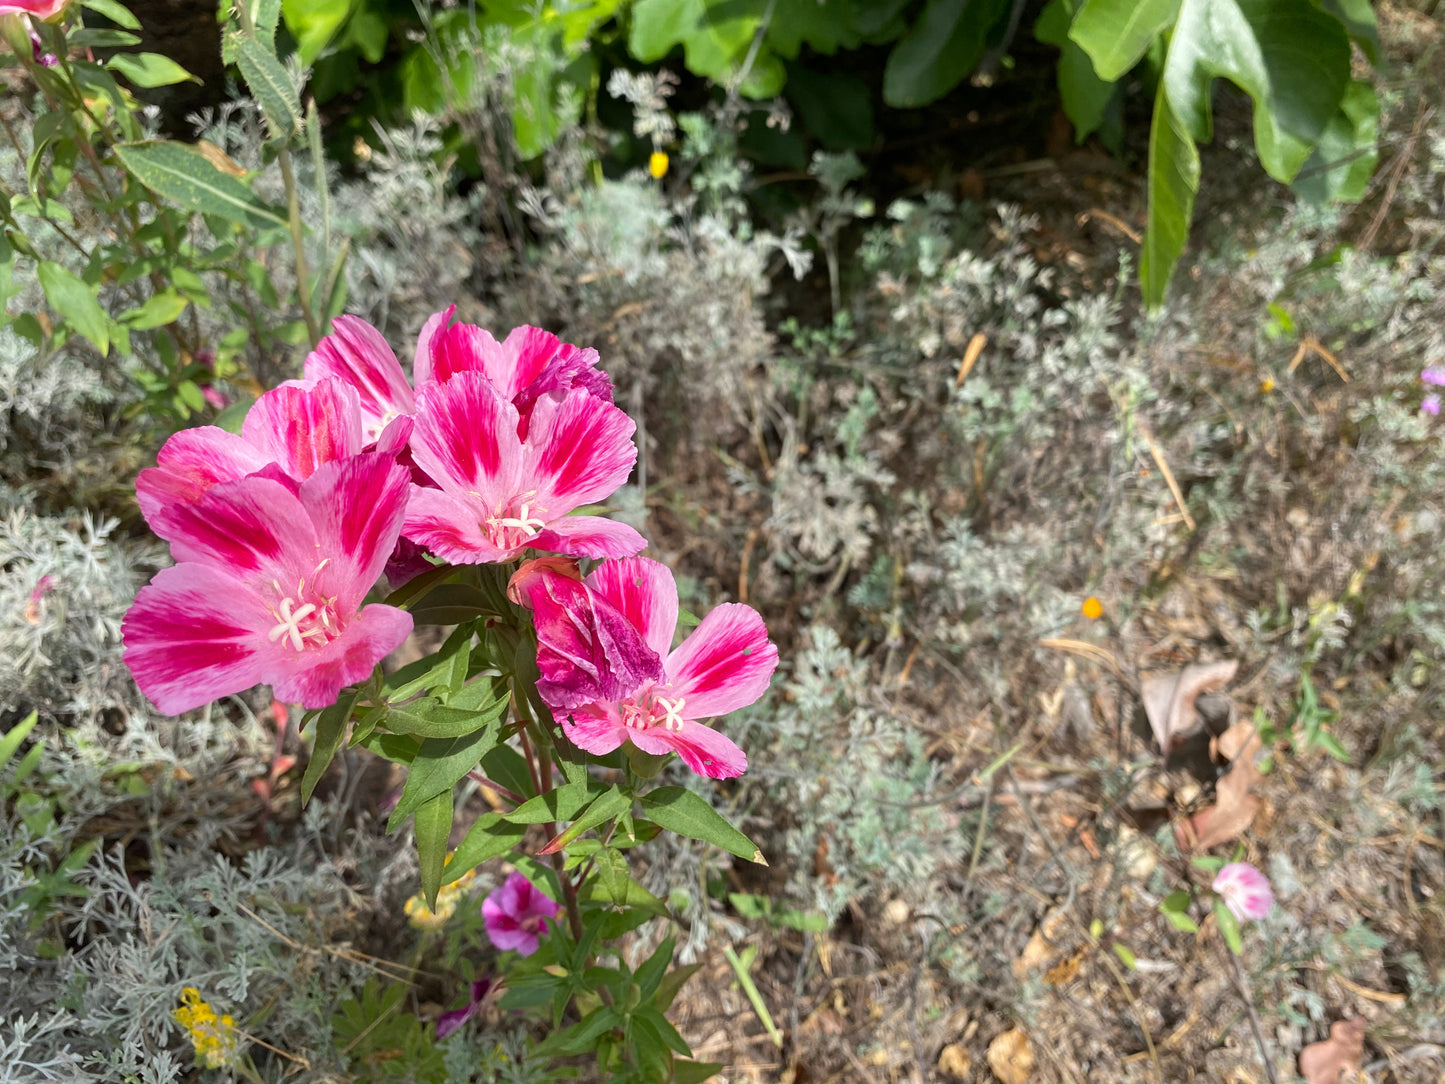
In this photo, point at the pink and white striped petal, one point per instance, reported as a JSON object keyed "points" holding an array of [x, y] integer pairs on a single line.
{"points": [[421, 362], [356, 354], [255, 527], [579, 450], [191, 462], [357, 507], [450, 526], [595, 728], [589, 536], [725, 664], [465, 438], [701, 748], [300, 427], [315, 678], [645, 592]]}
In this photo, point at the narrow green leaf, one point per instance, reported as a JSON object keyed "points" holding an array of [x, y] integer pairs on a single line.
{"points": [[649, 975], [1173, 183], [330, 730], [177, 173], [509, 768], [88, 38], [433, 828], [582, 1036], [116, 12], [489, 837], [680, 810], [633, 895], [12, 738], [427, 718], [162, 309], [559, 804], [270, 86], [1126, 956], [694, 1072], [73, 299], [1229, 927], [938, 51], [437, 766], [149, 69], [611, 804], [1116, 33], [313, 23]]}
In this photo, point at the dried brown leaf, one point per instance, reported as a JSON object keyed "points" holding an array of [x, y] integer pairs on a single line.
{"points": [[1042, 947], [1169, 699], [1010, 1057], [1234, 807], [1328, 1061], [954, 1061]]}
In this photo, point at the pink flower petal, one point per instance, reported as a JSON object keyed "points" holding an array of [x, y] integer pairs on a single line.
{"points": [[595, 728], [465, 438], [516, 913], [357, 507], [301, 427], [466, 348], [248, 526], [589, 536], [725, 664], [572, 367], [356, 354], [191, 637], [315, 677], [191, 462], [421, 364], [450, 527], [701, 748], [1245, 890], [579, 450], [645, 592]]}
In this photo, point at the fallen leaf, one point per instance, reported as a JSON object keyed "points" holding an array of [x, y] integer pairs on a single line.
{"points": [[1042, 947], [1234, 807], [1327, 1062], [954, 1061], [1169, 699], [1010, 1057], [1064, 972]]}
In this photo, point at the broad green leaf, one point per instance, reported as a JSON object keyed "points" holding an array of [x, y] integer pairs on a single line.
{"points": [[680, 810], [116, 12], [162, 309], [1359, 19], [270, 86], [649, 975], [179, 174], [1116, 33], [433, 828], [715, 39], [581, 1037], [1229, 927], [330, 730], [599, 890], [1085, 96], [1289, 56], [612, 872], [825, 26], [428, 718], [149, 69], [489, 837], [694, 1072], [560, 804], [1173, 183], [508, 767], [610, 804], [836, 107], [939, 50], [1347, 153], [72, 298], [437, 766], [313, 23]]}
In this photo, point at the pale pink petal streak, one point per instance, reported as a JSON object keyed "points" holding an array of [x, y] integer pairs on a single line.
{"points": [[254, 525], [356, 354], [191, 462], [579, 449], [316, 677], [301, 427], [725, 664], [465, 438], [421, 365], [358, 507], [589, 536], [449, 526], [701, 748]]}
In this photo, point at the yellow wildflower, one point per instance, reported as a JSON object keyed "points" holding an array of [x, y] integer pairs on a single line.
{"points": [[213, 1036], [1266, 385], [657, 165], [424, 918], [1092, 608]]}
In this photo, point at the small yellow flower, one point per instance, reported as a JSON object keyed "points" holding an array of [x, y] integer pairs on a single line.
{"points": [[1092, 608], [657, 165], [1266, 385], [213, 1036], [424, 918]]}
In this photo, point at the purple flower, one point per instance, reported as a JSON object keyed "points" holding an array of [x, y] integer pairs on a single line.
{"points": [[1431, 404], [1245, 891], [1433, 375], [516, 914], [448, 1022]]}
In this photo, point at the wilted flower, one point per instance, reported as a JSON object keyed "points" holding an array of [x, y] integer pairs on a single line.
{"points": [[269, 588], [1245, 891], [448, 1022], [516, 914], [213, 1036], [43, 587]]}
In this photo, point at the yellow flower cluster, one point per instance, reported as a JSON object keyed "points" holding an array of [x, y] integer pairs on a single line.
{"points": [[214, 1037], [448, 896]]}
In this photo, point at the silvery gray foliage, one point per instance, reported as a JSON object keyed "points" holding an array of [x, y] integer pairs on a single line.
{"points": [[647, 92]]}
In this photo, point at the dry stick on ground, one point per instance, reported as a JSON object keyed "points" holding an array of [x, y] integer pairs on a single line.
{"points": [[1241, 983], [1422, 117]]}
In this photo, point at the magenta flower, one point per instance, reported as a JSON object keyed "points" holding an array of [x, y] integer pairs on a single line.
{"points": [[356, 354], [725, 664], [269, 588], [1433, 374], [448, 1022], [1430, 404], [43, 587], [1245, 891], [499, 494], [516, 914]]}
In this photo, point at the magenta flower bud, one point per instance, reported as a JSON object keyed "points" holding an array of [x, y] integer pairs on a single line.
{"points": [[1245, 891], [516, 914], [43, 587]]}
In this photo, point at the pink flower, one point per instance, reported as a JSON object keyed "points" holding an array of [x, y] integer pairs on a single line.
{"points": [[499, 494], [43, 587], [41, 9], [287, 435], [1433, 374], [448, 1022], [725, 664], [516, 914], [269, 588], [1245, 891], [1431, 404], [38, 53], [356, 354]]}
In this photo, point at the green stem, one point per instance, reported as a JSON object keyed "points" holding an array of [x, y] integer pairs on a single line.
{"points": [[298, 243]]}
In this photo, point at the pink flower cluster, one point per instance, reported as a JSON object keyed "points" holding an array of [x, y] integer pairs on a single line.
{"points": [[278, 533], [1433, 375]]}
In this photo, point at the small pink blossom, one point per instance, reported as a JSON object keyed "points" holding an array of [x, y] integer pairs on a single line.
{"points": [[43, 587], [499, 494], [1245, 891], [1433, 374], [1430, 404], [38, 53], [725, 664], [516, 914], [448, 1022], [269, 588]]}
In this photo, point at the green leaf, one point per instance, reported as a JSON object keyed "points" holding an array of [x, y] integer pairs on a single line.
{"points": [[939, 50], [598, 890], [715, 39], [1229, 927], [1359, 19], [433, 829], [836, 107], [1207, 862], [489, 837], [177, 173], [680, 810], [1343, 161], [1086, 97], [160, 310], [437, 766], [313, 23], [1116, 33], [694, 1072], [670, 1038], [73, 299], [330, 730], [88, 38], [561, 804], [581, 1037], [1173, 183], [649, 975], [12, 738], [1289, 56], [149, 69], [610, 804], [1126, 956], [116, 12], [270, 86]]}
